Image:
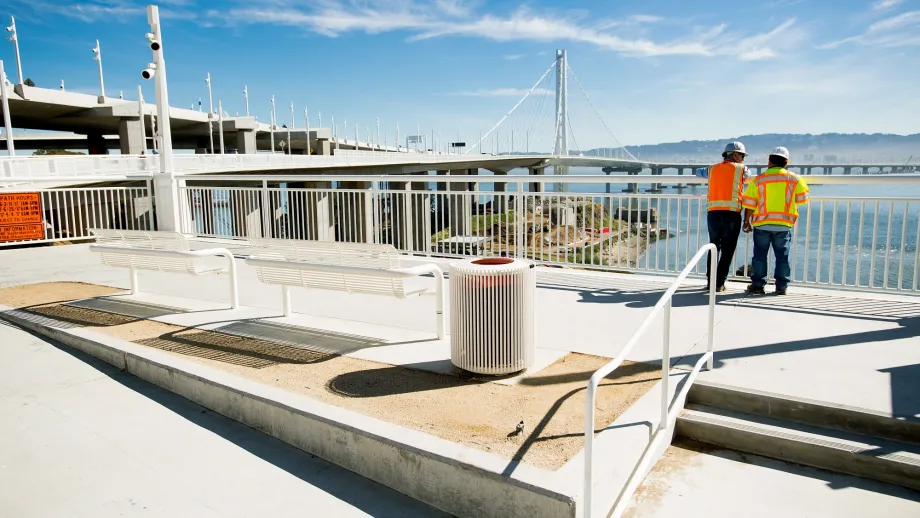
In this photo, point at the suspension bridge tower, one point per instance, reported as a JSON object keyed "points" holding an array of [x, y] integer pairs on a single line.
{"points": [[561, 145]]}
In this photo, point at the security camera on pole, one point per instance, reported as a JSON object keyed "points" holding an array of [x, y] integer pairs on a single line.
{"points": [[166, 190], [97, 56]]}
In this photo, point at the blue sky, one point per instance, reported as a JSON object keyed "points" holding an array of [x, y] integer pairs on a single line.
{"points": [[656, 71]]}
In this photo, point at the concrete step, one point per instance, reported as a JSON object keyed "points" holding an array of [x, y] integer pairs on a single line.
{"points": [[805, 411], [855, 454]]}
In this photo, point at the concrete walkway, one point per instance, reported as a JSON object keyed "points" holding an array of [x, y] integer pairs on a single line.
{"points": [[857, 349], [726, 484], [81, 439]]}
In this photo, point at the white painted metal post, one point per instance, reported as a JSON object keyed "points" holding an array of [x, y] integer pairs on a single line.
{"points": [[306, 120], [140, 113], [335, 133], [286, 300], [266, 211], [14, 37], [134, 286], [665, 365], [271, 124], [7, 122], [167, 194], [378, 132], [713, 262], [220, 124], [246, 98], [210, 112], [289, 145], [97, 50]]}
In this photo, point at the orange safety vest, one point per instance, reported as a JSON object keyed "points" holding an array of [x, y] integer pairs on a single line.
{"points": [[725, 186]]}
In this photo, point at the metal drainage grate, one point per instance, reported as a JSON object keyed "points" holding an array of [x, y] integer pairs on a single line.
{"points": [[318, 340], [125, 307]]}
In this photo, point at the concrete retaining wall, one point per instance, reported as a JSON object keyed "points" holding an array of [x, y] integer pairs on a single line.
{"points": [[459, 480]]}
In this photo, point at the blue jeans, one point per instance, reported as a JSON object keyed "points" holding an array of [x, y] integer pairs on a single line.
{"points": [[763, 240]]}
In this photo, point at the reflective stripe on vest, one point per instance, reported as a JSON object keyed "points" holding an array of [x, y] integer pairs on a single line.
{"points": [[777, 204], [720, 196]]}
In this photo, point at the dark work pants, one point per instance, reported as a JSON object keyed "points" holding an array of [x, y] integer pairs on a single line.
{"points": [[724, 228]]}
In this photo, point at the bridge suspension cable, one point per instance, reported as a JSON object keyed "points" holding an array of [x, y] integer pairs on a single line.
{"points": [[596, 112], [526, 95]]}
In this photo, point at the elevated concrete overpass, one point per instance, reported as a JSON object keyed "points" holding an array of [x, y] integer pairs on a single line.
{"points": [[99, 124]]}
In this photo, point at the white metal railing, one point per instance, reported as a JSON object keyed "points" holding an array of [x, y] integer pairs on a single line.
{"points": [[68, 214], [668, 414], [75, 166], [868, 243]]}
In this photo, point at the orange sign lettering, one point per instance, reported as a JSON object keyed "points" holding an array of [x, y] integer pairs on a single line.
{"points": [[21, 217]]}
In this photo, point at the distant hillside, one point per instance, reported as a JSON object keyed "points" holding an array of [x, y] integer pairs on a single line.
{"points": [[807, 148]]}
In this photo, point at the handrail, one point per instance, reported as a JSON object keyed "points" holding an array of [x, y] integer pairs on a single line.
{"points": [[664, 304]]}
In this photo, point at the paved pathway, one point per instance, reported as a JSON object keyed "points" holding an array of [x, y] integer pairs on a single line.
{"points": [[81, 439], [725, 484]]}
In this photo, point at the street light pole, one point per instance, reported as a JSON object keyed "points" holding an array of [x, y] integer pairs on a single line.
{"points": [[306, 120], [271, 124], [97, 51], [167, 192], [210, 112], [140, 112], [378, 132], [246, 97], [220, 124], [290, 147], [15, 39], [7, 123]]}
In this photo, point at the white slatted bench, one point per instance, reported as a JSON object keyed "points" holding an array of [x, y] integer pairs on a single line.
{"points": [[162, 252], [349, 267]]}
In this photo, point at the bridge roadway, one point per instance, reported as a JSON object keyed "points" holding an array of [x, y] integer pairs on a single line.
{"points": [[99, 124]]}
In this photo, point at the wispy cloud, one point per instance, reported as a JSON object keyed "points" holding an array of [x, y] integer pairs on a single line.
{"points": [[501, 92], [426, 19], [882, 5], [896, 31], [92, 11], [514, 57]]}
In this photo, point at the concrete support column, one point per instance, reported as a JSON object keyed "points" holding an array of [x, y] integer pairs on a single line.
{"points": [[460, 205], [129, 136], [309, 212], [246, 213], [246, 142], [533, 186], [632, 187], [655, 187], [421, 230], [355, 214], [95, 144], [500, 199]]}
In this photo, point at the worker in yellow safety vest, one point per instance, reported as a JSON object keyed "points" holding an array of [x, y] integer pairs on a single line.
{"points": [[771, 207], [723, 205]]}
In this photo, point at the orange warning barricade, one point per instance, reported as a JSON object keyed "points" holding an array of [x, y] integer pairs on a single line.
{"points": [[21, 217]]}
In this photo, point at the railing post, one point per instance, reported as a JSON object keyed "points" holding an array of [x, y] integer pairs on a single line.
{"points": [[713, 261], [589, 449], [520, 216], [369, 213], [266, 211], [665, 365]]}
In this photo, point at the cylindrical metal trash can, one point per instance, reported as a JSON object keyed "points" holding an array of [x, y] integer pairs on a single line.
{"points": [[492, 315]]}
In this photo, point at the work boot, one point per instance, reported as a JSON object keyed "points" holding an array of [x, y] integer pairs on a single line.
{"points": [[754, 290], [721, 288], [780, 291]]}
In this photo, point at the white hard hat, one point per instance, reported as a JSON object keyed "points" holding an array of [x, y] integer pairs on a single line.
{"points": [[734, 147], [780, 151]]}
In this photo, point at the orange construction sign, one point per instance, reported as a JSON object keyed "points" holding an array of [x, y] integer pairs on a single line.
{"points": [[21, 217]]}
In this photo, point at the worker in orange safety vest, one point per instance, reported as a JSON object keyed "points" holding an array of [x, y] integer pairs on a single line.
{"points": [[726, 186]]}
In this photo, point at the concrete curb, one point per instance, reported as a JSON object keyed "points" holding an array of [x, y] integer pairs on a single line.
{"points": [[454, 478]]}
